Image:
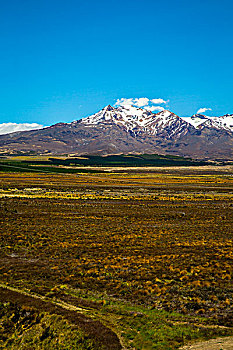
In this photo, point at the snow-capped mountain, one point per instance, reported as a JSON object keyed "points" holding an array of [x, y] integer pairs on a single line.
{"points": [[138, 120], [225, 122], [128, 129], [196, 120], [130, 118], [200, 121]]}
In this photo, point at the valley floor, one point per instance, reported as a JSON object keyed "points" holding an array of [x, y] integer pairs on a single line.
{"points": [[144, 254]]}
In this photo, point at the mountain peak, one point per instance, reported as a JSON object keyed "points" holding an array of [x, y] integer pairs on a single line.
{"points": [[201, 116], [127, 128], [108, 108], [200, 121], [137, 120], [165, 112]]}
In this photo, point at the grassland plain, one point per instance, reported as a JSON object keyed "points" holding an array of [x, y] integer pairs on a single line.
{"points": [[147, 253]]}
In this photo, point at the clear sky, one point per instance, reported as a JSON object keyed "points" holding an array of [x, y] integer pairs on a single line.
{"points": [[64, 59]]}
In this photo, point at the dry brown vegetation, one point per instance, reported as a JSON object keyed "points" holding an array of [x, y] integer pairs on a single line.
{"points": [[161, 239]]}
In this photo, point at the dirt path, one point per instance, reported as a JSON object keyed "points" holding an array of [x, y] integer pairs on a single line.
{"points": [[94, 328], [225, 343]]}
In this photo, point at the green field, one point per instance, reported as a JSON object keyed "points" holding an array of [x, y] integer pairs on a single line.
{"points": [[72, 164]]}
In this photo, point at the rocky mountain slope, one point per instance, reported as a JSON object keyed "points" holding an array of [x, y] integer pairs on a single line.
{"points": [[130, 130]]}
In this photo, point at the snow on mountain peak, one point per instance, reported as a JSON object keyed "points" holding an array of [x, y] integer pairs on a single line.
{"points": [[224, 122], [199, 121], [123, 115], [136, 120], [196, 120]]}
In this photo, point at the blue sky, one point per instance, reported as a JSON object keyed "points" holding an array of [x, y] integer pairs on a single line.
{"points": [[62, 60]]}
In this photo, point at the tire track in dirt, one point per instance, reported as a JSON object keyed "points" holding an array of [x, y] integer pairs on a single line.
{"points": [[93, 328]]}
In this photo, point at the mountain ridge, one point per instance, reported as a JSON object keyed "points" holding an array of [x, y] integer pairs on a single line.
{"points": [[115, 130]]}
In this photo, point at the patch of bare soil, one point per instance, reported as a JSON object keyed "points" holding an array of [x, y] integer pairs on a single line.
{"points": [[213, 344]]}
